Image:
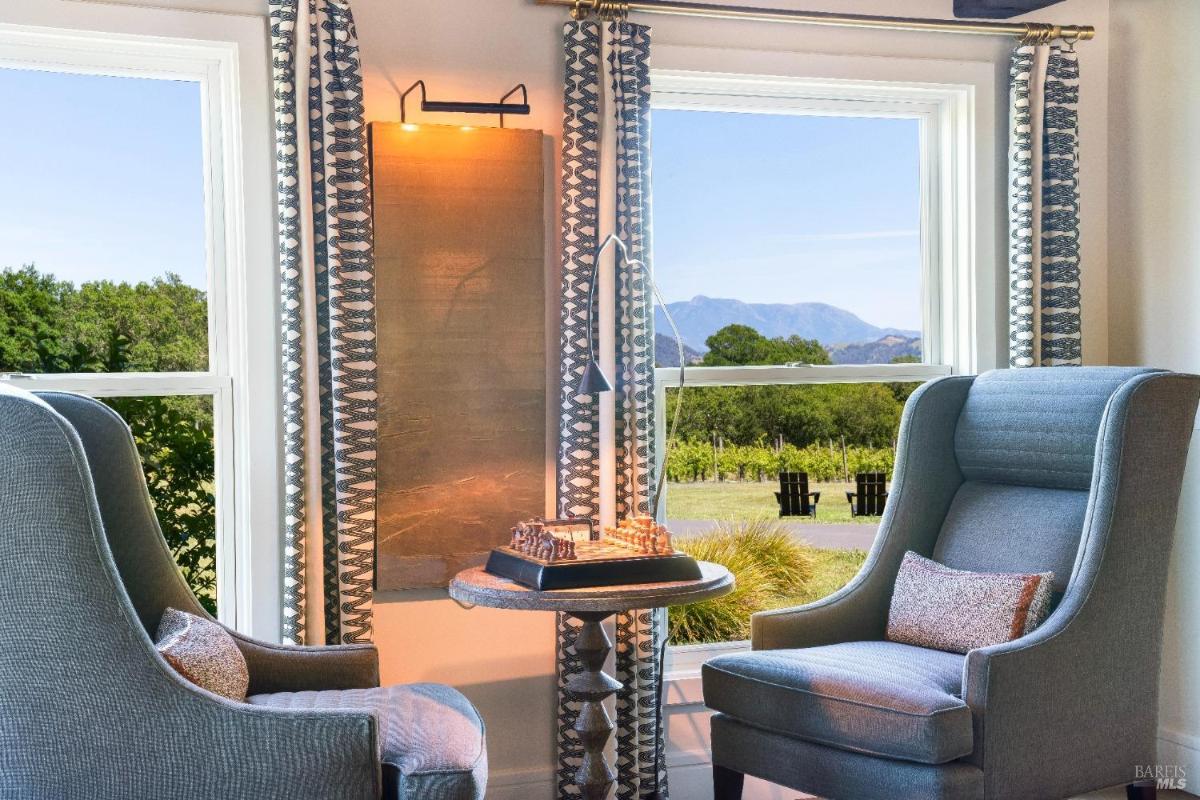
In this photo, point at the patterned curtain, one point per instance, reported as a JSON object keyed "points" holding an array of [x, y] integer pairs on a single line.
{"points": [[625, 50], [328, 313], [1044, 317]]}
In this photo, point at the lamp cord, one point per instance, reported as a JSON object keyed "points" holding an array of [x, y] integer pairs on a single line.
{"points": [[662, 467]]}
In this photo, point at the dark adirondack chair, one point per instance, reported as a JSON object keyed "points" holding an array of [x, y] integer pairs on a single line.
{"points": [[795, 500], [870, 496]]}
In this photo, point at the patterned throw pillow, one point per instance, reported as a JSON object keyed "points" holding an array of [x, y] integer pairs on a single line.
{"points": [[204, 653], [949, 609]]}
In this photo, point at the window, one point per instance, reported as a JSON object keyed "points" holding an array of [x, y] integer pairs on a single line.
{"points": [[805, 242], [104, 253], [123, 256]]}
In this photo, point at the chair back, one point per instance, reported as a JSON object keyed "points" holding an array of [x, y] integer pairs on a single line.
{"points": [[1025, 442], [75, 664], [144, 562], [794, 499], [870, 494]]}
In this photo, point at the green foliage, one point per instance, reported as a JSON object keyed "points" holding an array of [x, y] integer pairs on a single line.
{"points": [[48, 325], [866, 414], [694, 461], [174, 438], [766, 561], [742, 345], [52, 326], [31, 312], [833, 570]]}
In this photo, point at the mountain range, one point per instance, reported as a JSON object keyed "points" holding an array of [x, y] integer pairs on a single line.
{"points": [[666, 352], [881, 351], [702, 316]]}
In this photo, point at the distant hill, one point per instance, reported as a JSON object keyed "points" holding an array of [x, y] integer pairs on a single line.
{"points": [[702, 316], [881, 351], [666, 353]]}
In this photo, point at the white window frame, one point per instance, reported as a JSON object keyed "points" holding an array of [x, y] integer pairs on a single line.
{"points": [[960, 289], [226, 56]]}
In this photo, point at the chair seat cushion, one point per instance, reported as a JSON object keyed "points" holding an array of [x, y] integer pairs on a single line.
{"points": [[431, 738], [881, 698]]}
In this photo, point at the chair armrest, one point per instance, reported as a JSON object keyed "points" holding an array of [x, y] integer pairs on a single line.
{"points": [[289, 668], [848, 615], [816, 497], [1062, 666], [238, 749]]}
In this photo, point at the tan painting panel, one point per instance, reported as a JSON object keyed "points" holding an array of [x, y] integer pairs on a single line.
{"points": [[459, 247]]}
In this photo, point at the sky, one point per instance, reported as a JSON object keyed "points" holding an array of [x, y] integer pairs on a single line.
{"points": [[773, 208], [102, 177]]}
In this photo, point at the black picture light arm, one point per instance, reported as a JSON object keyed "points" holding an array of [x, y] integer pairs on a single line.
{"points": [[467, 107]]}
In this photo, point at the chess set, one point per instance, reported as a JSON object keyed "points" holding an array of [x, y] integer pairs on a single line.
{"points": [[570, 554]]}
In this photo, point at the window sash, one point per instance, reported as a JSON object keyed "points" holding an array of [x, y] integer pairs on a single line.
{"points": [[668, 377], [226, 54], [948, 339]]}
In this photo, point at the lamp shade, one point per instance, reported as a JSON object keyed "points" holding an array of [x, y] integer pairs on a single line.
{"points": [[593, 380]]}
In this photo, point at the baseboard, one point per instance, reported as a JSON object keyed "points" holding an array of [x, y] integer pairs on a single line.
{"points": [[521, 784], [1182, 750]]}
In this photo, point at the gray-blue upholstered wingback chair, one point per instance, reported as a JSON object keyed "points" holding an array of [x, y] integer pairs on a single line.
{"points": [[1073, 470], [88, 709]]}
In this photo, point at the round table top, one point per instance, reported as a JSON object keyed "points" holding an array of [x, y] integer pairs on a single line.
{"points": [[481, 588]]}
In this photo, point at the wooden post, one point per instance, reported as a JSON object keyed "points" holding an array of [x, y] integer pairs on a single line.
{"points": [[845, 460]]}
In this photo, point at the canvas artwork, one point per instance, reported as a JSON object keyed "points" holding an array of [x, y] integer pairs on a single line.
{"points": [[460, 261]]}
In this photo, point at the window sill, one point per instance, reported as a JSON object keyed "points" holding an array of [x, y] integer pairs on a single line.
{"points": [[681, 683]]}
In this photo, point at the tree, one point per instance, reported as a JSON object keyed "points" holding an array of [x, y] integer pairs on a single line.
{"points": [[864, 414], [31, 317], [48, 325], [903, 390], [741, 345]]}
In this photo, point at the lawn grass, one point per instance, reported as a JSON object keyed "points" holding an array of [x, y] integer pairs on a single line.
{"points": [[750, 500], [832, 569]]}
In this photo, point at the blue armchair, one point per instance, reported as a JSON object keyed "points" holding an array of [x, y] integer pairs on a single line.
{"points": [[1074, 470], [88, 708]]}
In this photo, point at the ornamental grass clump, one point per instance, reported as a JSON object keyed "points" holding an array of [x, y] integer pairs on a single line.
{"points": [[766, 561]]}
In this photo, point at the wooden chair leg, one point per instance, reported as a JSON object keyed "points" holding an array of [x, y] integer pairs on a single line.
{"points": [[727, 784], [1142, 790]]}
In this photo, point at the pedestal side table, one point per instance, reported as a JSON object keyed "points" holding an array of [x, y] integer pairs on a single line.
{"points": [[591, 606]]}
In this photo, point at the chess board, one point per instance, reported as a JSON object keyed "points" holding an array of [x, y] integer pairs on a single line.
{"points": [[606, 562]]}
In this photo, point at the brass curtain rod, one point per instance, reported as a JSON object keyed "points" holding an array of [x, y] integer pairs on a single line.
{"points": [[1035, 32]]}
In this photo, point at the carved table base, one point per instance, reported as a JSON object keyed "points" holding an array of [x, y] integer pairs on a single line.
{"points": [[591, 606], [593, 686]]}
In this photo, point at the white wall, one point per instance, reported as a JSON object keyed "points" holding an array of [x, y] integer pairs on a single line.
{"points": [[1153, 255], [476, 48]]}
